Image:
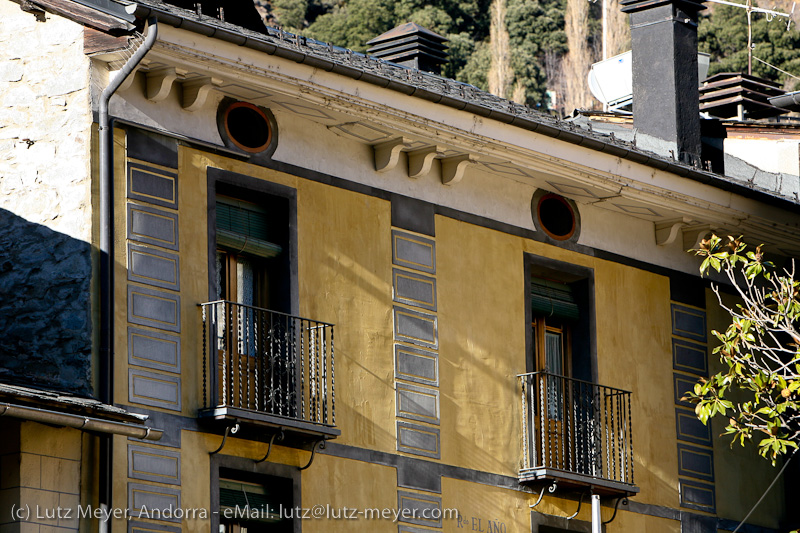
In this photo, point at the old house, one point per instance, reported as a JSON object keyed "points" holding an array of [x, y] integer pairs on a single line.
{"points": [[244, 270]]}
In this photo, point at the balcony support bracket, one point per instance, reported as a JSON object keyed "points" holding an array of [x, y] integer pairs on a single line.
{"points": [[624, 501], [318, 444], [551, 489], [269, 448], [580, 502], [228, 429]]}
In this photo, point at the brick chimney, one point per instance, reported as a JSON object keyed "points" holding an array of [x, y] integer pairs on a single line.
{"points": [[666, 104], [412, 46]]}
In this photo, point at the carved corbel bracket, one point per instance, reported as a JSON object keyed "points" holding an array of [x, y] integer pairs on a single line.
{"points": [[453, 168], [132, 76], [420, 161], [387, 154], [159, 82], [667, 232], [692, 235], [196, 91]]}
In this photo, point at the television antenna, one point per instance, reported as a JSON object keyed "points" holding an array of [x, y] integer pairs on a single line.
{"points": [[750, 8]]}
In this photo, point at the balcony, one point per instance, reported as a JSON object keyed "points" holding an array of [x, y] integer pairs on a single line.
{"points": [[268, 369], [576, 434]]}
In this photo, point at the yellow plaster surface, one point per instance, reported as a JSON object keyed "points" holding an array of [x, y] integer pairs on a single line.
{"points": [[344, 278], [50, 441], [352, 484], [482, 508], [481, 291]]}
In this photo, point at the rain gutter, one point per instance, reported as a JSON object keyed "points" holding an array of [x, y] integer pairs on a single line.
{"points": [[84, 423]]}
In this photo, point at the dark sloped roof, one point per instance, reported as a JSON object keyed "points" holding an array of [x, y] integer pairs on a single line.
{"points": [[436, 89]]}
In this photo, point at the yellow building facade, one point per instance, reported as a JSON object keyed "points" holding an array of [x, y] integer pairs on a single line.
{"points": [[351, 297]]}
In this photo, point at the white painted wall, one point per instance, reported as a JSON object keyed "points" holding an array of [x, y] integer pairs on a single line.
{"points": [[771, 155]]}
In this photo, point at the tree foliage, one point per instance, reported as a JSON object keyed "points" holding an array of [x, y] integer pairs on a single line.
{"points": [[760, 348], [537, 37]]}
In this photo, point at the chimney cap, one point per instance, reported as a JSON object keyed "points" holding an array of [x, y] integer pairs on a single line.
{"points": [[631, 6], [405, 30], [410, 45]]}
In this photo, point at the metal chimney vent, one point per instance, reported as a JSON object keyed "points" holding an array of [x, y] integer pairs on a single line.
{"points": [[740, 96], [411, 45]]}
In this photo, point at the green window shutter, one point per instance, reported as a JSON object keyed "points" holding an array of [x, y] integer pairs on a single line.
{"points": [[553, 299], [242, 227], [254, 503]]}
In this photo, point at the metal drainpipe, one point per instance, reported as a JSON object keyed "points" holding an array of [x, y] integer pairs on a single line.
{"points": [[106, 164], [597, 521]]}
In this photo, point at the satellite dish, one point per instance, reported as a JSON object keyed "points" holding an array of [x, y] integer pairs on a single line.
{"points": [[611, 80]]}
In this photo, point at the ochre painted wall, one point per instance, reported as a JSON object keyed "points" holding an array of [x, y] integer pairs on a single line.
{"points": [[481, 289], [345, 277]]}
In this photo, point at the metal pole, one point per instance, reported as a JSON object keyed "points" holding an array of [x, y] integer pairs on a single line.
{"points": [[605, 30], [749, 38], [597, 521]]}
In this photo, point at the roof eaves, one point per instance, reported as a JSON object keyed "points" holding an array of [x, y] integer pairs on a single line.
{"points": [[452, 93]]}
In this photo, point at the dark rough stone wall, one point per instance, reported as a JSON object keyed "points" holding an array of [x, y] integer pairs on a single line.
{"points": [[45, 307]]}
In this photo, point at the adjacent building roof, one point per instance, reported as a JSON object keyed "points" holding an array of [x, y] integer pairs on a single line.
{"points": [[65, 403]]}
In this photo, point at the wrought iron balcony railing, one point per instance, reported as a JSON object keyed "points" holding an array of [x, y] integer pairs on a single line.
{"points": [[576, 433], [268, 367]]}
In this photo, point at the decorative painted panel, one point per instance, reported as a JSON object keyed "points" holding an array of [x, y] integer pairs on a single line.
{"points": [[696, 462], [420, 504], [156, 499], [153, 185], [415, 327], [152, 349], [158, 309], [153, 226], [154, 464], [689, 357], [414, 252], [414, 289], [418, 403], [153, 267], [689, 323], [690, 429], [681, 385], [699, 496], [156, 390], [414, 364], [419, 440]]}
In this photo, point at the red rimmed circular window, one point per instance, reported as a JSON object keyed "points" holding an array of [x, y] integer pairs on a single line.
{"points": [[247, 127], [556, 217]]}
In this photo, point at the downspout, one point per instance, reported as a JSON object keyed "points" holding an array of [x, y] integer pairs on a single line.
{"points": [[106, 164]]}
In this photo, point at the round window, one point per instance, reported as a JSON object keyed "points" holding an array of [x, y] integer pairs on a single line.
{"points": [[556, 217], [247, 127]]}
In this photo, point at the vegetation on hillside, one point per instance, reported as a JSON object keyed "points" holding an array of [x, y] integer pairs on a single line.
{"points": [[723, 34], [535, 52]]}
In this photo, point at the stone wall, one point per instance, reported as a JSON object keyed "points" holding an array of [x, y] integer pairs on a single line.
{"points": [[45, 202]]}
